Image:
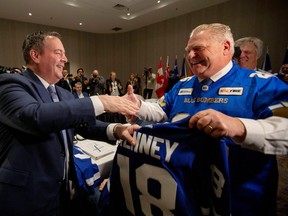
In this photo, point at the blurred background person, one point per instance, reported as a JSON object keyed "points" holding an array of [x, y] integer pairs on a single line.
{"points": [[251, 50], [149, 79], [78, 91], [96, 83], [66, 81], [133, 80], [113, 85]]}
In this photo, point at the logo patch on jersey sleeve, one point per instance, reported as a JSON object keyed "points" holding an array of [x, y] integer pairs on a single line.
{"points": [[231, 91], [185, 91]]}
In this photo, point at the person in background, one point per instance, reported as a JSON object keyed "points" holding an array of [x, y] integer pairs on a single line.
{"points": [[86, 86], [113, 85], [78, 91], [97, 83], [16, 70], [254, 133], [172, 80], [37, 124], [283, 74], [251, 50], [149, 79], [66, 81], [80, 77], [133, 80]]}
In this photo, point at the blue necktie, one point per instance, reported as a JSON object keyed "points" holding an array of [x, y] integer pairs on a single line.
{"points": [[53, 94]]}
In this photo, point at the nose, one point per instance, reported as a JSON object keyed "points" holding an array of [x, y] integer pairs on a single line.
{"points": [[191, 54], [64, 58]]}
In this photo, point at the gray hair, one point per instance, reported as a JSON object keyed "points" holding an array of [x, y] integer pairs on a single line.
{"points": [[258, 43], [36, 41], [219, 32]]}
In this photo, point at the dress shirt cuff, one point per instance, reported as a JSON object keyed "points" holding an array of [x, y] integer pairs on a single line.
{"points": [[255, 137], [110, 131], [97, 104]]}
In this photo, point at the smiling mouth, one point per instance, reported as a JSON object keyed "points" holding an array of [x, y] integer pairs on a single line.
{"points": [[198, 62]]}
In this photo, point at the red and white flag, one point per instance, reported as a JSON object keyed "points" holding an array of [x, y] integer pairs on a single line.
{"points": [[161, 81]]}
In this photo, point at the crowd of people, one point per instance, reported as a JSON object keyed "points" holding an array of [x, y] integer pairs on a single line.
{"points": [[227, 99]]}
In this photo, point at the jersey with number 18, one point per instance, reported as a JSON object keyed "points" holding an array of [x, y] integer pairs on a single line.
{"points": [[172, 170]]}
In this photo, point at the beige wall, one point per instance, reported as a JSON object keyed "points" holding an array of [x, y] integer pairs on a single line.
{"points": [[132, 51]]}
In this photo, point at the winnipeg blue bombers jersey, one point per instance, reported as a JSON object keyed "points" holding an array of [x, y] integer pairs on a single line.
{"points": [[172, 170], [245, 94], [87, 171]]}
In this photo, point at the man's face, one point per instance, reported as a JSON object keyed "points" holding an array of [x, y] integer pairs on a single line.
{"points": [[65, 72], [248, 58], [205, 56], [78, 88], [52, 60], [113, 76]]}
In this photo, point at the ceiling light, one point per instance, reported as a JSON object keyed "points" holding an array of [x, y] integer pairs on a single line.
{"points": [[128, 12], [158, 1], [30, 14], [80, 24]]}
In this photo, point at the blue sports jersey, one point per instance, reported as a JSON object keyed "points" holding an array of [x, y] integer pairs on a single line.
{"points": [[246, 94], [87, 171], [172, 170]]}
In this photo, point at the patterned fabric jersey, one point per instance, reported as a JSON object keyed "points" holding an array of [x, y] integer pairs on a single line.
{"points": [[87, 171], [245, 94], [172, 170]]}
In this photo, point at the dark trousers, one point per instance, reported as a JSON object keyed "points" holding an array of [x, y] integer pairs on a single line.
{"points": [[147, 92]]}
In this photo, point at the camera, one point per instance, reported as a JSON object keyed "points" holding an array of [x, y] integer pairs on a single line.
{"points": [[146, 71]]}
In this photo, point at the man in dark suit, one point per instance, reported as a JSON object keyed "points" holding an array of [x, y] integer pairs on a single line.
{"points": [[78, 91], [33, 180], [67, 81]]}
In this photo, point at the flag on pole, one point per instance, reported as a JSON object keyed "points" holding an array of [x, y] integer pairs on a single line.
{"points": [[175, 71], [161, 81], [183, 71], [267, 63], [167, 68]]}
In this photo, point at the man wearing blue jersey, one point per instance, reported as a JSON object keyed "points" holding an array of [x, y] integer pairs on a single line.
{"points": [[238, 104]]}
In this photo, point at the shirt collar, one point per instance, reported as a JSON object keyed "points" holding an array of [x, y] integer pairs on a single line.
{"points": [[46, 84], [221, 73]]}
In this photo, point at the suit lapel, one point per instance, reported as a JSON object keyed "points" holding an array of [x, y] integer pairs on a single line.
{"points": [[42, 91]]}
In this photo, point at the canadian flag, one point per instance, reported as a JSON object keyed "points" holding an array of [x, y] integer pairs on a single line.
{"points": [[161, 81]]}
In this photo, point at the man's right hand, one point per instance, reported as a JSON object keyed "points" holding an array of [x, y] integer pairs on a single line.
{"points": [[116, 104], [132, 97]]}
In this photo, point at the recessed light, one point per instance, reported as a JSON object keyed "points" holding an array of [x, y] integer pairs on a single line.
{"points": [[30, 14], [158, 1], [80, 24]]}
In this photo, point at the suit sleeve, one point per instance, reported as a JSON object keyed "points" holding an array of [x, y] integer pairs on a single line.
{"points": [[29, 108]]}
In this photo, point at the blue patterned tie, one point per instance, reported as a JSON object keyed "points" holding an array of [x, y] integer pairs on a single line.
{"points": [[53, 94]]}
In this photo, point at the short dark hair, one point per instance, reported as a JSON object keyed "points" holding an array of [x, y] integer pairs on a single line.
{"points": [[35, 41]]}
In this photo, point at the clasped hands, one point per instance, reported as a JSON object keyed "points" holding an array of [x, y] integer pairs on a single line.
{"points": [[212, 122]]}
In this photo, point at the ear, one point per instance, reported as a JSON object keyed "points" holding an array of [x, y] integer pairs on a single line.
{"points": [[226, 48], [35, 55]]}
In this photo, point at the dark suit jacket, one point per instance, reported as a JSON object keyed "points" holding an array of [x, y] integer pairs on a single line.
{"points": [[64, 84], [85, 94], [31, 150]]}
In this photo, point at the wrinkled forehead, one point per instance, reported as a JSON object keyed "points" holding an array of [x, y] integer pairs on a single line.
{"points": [[248, 46]]}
